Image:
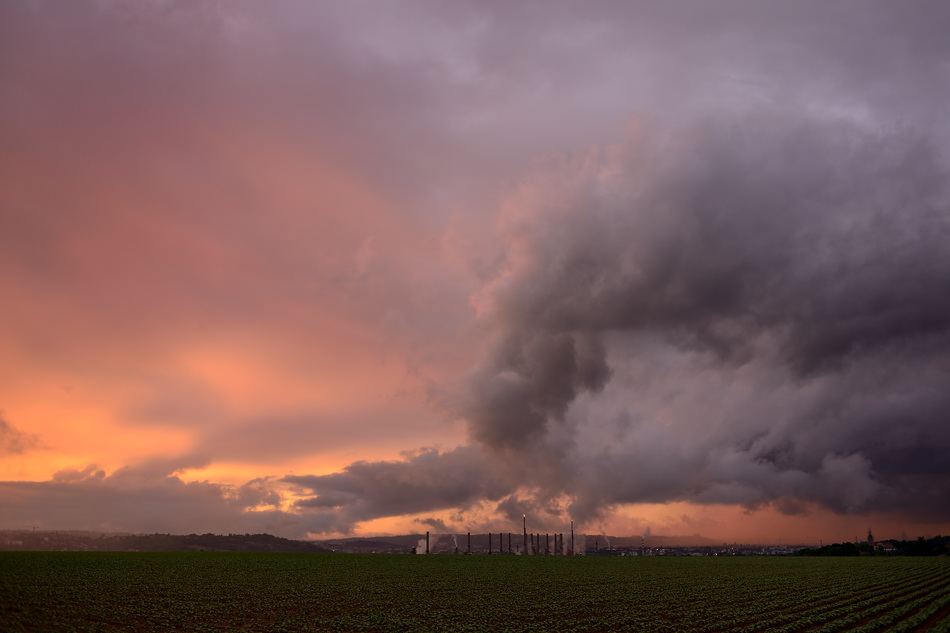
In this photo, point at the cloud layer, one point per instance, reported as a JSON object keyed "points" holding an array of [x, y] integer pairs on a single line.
{"points": [[733, 312], [596, 255]]}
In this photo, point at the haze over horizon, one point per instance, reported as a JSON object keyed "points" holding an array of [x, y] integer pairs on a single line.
{"points": [[324, 268]]}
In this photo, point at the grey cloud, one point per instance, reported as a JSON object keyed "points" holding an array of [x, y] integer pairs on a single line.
{"points": [[157, 469], [436, 524], [15, 442], [530, 379], [426, 482], [866, 438], [258, 492], [742, 302], [744, 228], [87, 499], [799, 250], [75, 474]]}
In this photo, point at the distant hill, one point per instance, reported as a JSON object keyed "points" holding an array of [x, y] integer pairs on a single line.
{"points": [[399, 544], [652, 541], [933, 546], [374, 545], [99, 542]]}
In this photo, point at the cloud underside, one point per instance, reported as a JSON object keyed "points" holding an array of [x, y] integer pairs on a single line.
{"points": [[744, 312], [743, 299], [721, 314]]}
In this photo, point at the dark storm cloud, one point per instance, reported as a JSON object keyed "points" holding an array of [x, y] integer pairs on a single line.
{"points": [[825, 234], [745, 300], [426, 482], [533, 378], [811, 251]]}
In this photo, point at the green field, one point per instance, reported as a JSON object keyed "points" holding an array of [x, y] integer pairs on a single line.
{"points": [[210, 591]]}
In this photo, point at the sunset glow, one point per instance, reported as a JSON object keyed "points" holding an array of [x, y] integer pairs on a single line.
{"points": [[335, 268]]}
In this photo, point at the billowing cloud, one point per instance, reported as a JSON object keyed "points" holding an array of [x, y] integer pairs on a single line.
{"points": [[422, 483], [736, 312], [769, 292], [613, 253], [533, 378]]}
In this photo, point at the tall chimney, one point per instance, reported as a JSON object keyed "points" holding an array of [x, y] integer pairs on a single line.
{"points": [[524, 540], [469, 542], [572, 537], [427, 542]]}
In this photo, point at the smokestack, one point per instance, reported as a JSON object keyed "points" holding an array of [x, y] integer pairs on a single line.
{"points": [[572, 538], [427, 542], [547, 544], [469, 543], [509, 542], [524, 540]]}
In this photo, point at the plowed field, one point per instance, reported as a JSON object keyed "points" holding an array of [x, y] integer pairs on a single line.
{"points": [[206, 591]]}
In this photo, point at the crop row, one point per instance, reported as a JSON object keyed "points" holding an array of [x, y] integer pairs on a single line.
{"points": [[65, 592], [769, 609]]}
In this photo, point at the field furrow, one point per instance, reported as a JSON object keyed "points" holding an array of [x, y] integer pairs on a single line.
{"points": [[212, 592]]}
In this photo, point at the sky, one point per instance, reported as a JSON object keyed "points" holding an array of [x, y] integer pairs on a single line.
{"points": [[353, 268]]}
